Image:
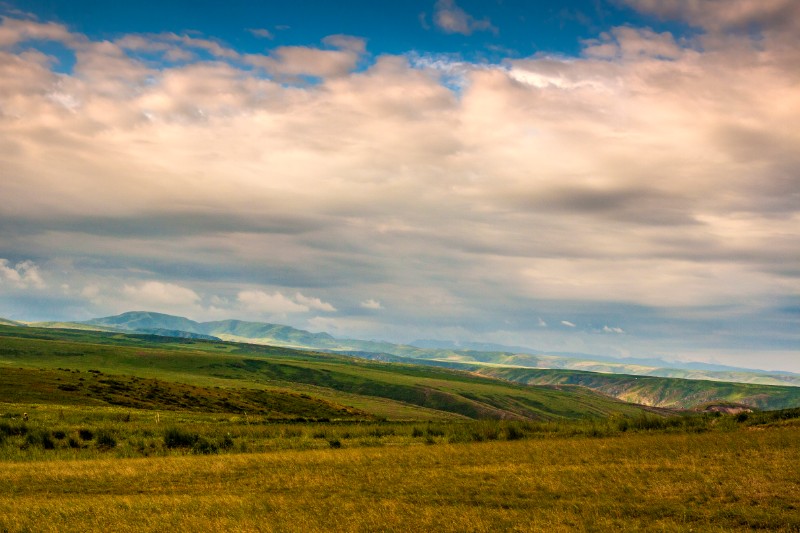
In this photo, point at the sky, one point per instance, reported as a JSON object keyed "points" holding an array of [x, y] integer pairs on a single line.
{"points": [[617, 177]]}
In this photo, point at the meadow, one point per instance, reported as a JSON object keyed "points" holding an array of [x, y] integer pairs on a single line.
{"points": [[129, 433], [729, 477]]}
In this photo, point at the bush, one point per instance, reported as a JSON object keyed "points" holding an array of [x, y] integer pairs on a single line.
{"points": [[40, 438], [177, 438], [59, 434], [105, 439], [86, 434], [335, 443], [203, 446], [227, 442]]}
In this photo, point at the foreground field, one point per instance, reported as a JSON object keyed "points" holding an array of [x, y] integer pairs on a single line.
{"points": [[716, 481]]}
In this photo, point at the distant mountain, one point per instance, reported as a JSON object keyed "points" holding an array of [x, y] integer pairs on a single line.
{"points": [[7, 322], [432, 351], [655, 391], [177, 333], [640, 361], [144, 320]]}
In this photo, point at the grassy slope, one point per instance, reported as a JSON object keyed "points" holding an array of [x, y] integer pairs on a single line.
{"points": [[335, 379], [286, 336], [663, 482], [656, 391]]}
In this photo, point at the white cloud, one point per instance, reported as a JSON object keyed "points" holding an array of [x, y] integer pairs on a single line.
{"points": [[260, 302], [371, 304], [650, 170], [261, 33], [450, 18], [568, 324], [541, 323], [160, 295], [23, 275], [607, 329], [719, 15], [276, 303], [313, 303]]}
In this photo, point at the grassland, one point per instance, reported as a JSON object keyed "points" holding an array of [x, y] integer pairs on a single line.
{"points": [[399, 391], [730, 478], [111, 432]]}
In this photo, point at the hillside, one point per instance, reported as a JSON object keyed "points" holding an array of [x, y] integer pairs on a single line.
{"points": [[490, 354], [376, 389], [655, 391]]}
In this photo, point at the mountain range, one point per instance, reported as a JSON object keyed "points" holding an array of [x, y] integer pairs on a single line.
{"points": [[422, 351], [628, 380]]}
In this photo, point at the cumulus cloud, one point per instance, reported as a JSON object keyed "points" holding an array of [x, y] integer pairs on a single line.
{"points": [[726, 14], [159, 295], [650, 170], [450, 18], [276, 303], [23, 275], [607, 329], [313, 303], [371, 304]]}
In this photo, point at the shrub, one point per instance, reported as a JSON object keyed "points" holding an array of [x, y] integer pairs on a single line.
{"points": [[227, 442], [335, 443], [105, 439], [416, 432], [59, 434], [40, 438], [85, 434], [177, 438], [203, 446], [514, 433]]}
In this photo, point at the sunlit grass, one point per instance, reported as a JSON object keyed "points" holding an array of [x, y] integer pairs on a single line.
{"points": [[713, 481]]}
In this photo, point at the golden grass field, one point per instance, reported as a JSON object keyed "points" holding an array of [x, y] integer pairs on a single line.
{"points": [[736, 480]]}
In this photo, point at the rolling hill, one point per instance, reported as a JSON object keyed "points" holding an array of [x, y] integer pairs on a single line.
{"points": [[622, 379], [481, 353], [181, 373]]}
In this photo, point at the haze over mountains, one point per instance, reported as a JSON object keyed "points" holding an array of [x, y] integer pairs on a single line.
{"points": [[430, 351]]}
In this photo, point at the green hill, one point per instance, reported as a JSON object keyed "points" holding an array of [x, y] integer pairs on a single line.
{"points": [[379, 389], [281, 335], [655, 391]]}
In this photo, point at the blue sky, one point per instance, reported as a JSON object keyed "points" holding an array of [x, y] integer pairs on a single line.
{"points": [[613, 177]]}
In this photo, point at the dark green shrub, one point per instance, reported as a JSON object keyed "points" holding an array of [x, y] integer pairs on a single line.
{"points": [[227, 442], [40, 438], [514, 433], [416, 432], [59, 434], [73, 443], [335, 443], [105, 439], [177, 438], [203, 446], [85, 434]]}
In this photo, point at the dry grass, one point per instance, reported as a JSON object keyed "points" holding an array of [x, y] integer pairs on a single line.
{"points": [[738, 480]]}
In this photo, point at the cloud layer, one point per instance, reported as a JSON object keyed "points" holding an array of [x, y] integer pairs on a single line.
{"points": [[652, 173]]}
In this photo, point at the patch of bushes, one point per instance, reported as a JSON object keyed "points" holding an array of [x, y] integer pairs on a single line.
{"points": [[178, 438], [105, 439]]}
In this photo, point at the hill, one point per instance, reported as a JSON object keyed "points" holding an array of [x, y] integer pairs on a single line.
{"points": [[655, 391], [483, 353], [372, 388]]}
